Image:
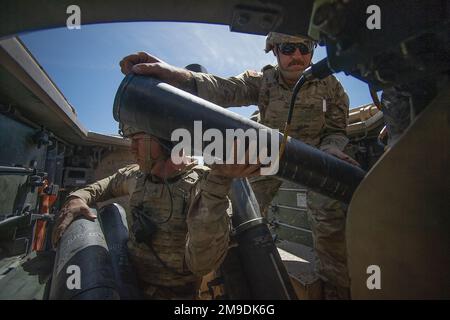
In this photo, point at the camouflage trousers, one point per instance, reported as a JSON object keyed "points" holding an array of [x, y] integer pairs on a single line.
{"points": [[327, 218], [152, 292], [156, 282]]}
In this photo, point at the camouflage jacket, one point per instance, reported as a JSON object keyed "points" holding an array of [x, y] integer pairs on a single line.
{"points": [[195, 236], [321, 109]]}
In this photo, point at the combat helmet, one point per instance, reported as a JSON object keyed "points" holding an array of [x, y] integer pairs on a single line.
{"points": [[274, 38], [127, 131]]}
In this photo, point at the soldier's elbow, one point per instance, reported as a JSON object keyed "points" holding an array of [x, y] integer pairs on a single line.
{"points": [[199, 268], [202, 267]]}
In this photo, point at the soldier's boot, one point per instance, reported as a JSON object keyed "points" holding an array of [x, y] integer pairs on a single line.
{"points": [[327, 217]]}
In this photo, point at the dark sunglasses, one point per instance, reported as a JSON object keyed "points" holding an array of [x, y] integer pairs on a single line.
{"points": [[289, 48]]}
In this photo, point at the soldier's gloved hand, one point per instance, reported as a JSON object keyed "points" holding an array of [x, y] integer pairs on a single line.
{"points": [[73, 208], [341, 155], [236, 170], [145, 64]]}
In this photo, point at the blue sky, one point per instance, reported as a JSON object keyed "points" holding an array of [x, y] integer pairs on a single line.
{"points": [[84, 63]]}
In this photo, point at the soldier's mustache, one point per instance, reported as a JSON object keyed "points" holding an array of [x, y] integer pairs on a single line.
{"points": [[295, 63]]}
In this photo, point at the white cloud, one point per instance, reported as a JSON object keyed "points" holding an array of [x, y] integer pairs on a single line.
{"points": [[220, 51]]}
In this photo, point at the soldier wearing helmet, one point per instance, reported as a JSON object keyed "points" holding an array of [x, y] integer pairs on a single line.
{"points": [[180, 215], [319, 119], [285, 47], [143, 147]]}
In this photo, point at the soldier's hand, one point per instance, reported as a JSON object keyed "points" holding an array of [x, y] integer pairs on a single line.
{"points": [[127, 63], [145, 64], [236, 170], [341, 155], [73, 208]]}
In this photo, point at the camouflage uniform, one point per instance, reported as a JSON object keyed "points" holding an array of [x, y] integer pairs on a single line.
{"points": [[189, 242], [319, 119]]}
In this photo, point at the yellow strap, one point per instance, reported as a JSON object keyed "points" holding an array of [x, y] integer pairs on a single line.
{"points": [[283, 143]]}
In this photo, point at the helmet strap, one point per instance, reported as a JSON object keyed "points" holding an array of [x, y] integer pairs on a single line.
{"points": [[149, 162]]}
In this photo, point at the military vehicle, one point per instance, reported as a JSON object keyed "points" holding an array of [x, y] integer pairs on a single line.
{"points": [[398, 215]]}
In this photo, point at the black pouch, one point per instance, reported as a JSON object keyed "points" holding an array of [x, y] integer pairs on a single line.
{"points": [[143, 227]]}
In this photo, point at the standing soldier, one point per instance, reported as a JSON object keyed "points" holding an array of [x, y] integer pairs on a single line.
{"points": [[319, 119], [180, 216]]}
